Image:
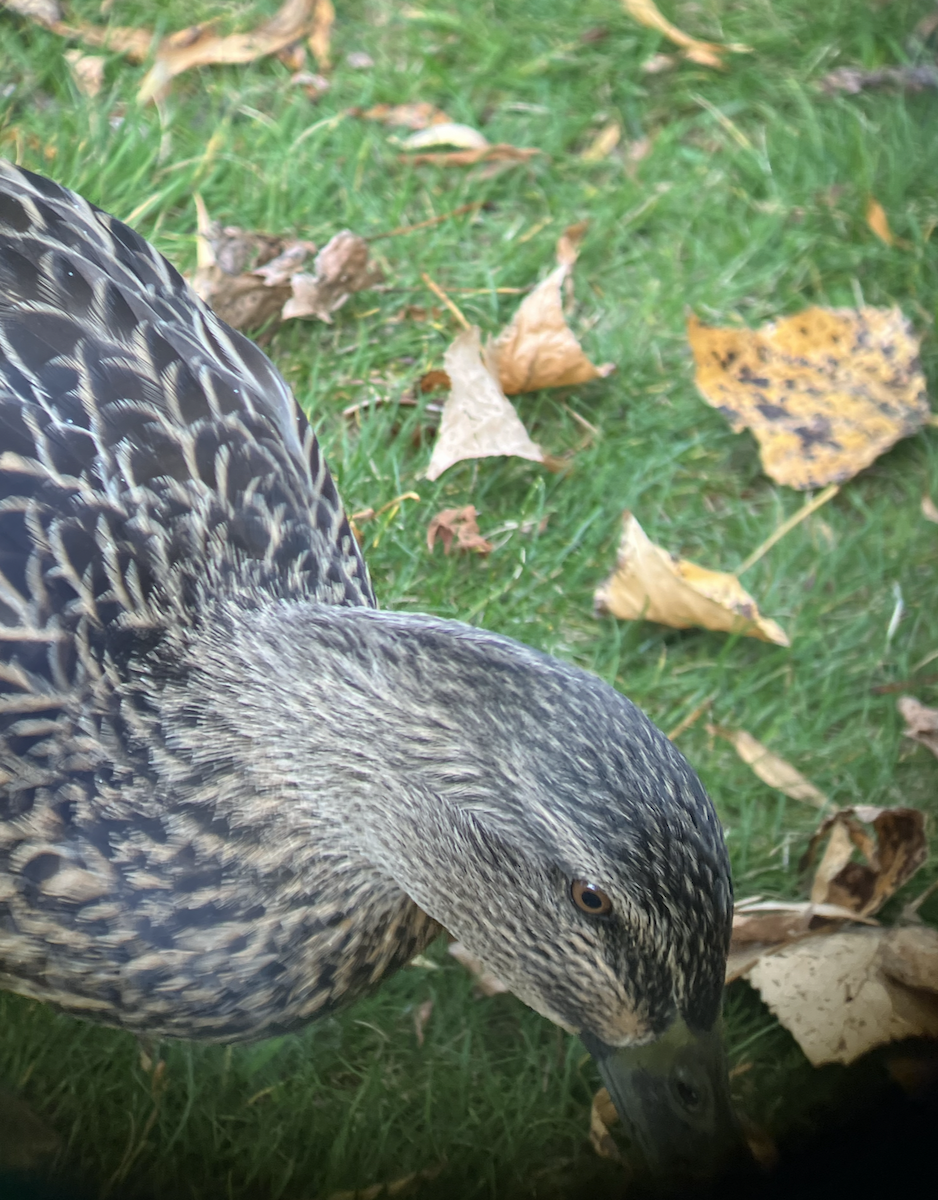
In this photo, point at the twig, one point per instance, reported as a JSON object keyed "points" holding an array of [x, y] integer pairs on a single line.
{"points": [[689, 720], [401, 229], [806, 510], [441, 295]]}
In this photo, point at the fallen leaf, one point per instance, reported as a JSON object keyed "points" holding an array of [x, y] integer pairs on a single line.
{"points": [[893, 853], [929, 509], [321, 33], [315, 86], [459, 525], [651, 584], [358, 60], [87, 71], [199, 47], [771, 769], [603, 143], [421, 1017], [603, 1116], [446, 133], [433, 381], [706, 54], [921, 722], [537, 349], [43, 12], [478, 420], [486, 983], [825, 392], [854, 79], [341, 268], [878, 222], [659, 63], [500, 152], [835, 995], [418, 115]]}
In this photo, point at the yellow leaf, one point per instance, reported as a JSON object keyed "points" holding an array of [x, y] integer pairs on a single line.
{"points": [[825, 392], [771, 769], [706, 54], [879, 223], [651, 584], [478, 420], [603, 143]]}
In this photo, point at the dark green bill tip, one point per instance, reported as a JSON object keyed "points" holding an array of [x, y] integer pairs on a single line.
{"points": [[673, 1098]]}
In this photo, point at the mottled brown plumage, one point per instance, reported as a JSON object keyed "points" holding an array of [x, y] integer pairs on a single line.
{"points": [[233, 794]]}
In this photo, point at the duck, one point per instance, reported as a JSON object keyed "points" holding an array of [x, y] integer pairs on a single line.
{"points": [[235, 794]]}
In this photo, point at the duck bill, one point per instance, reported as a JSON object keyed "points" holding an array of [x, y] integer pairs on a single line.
{"points": [[673, 1099]]}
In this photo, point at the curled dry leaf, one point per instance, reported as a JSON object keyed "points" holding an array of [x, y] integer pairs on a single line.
{"points": [[537, 349], [921, 722], [478, 420], [894, 852], [705, 54], [87, 71], [199, 47], [341, 268], [603, 1116], [457, 525], [418, 115], [840, 995], [651, 584], [486, 983], [825, 392], [771, 769]]}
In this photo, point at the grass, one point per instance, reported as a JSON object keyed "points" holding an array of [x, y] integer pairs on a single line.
{"points": [[739, 228]]}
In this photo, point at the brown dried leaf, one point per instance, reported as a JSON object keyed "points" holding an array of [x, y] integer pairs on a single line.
{"points": [[836, 997], [418, 115], [433, 381], [651, 584], [341, 268], [921, 722], [894, 852], [459, 525], [825, 392], [500, 152], [706, 54], [87, 71], [603, 1116], [421, 1017], [878, 222], [910, 955], [321, 33], [486, 983], [199, 47], [478, 420], [771, 769], [537, 349], [603, 143]]}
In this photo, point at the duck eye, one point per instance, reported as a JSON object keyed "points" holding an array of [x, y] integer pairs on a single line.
{"points": [[590, 899]]}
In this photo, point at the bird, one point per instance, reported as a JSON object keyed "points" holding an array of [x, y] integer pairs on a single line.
{"points": [[235, 794]]}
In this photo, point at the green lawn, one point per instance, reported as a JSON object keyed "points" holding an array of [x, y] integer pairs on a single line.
{"points": [[740, 229]]}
